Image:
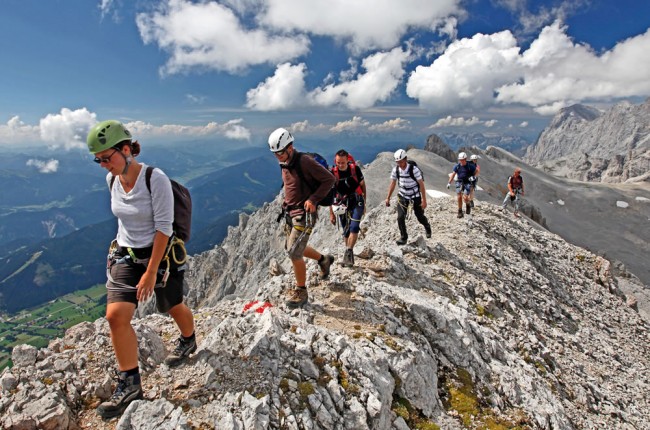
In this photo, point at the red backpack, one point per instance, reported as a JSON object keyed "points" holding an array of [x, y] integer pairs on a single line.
{"points": [[353, 172]]}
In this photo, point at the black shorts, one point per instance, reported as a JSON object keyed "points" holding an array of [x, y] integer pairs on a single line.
{"points": [[130, 273]]}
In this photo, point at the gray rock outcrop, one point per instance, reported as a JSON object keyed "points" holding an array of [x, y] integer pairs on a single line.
{"points": [[436, 145], [583, 143], [496, 322]]}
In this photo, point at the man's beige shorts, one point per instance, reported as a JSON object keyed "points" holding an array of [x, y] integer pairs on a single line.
{"points": [[296, 236]]}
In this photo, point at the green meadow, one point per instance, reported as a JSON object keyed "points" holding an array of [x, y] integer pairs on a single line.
{"points": [[37, 326]]}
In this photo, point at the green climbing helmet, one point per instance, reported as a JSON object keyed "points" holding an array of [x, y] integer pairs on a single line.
{"points": [[105, 135]]}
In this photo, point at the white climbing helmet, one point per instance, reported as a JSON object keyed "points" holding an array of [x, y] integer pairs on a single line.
{"points": [[462, 156], [280, 139], [474, 157], [400, 154]]}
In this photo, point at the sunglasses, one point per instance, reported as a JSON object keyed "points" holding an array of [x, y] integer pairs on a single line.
{"points": [[105, 159], [280, 153]]}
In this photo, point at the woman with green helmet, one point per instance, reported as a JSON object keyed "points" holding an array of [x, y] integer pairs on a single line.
{"points": [[144, 208]]}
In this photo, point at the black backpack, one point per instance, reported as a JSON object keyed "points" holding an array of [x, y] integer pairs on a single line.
{"points": [[411, 164], [182, 224], [328, 200]]}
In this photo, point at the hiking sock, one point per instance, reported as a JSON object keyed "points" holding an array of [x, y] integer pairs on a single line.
{"points": [[131, 372], [320, 260], [189, 338], [135, 372]]}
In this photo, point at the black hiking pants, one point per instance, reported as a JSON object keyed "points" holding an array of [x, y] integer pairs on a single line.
{"points": [[402, 209]]}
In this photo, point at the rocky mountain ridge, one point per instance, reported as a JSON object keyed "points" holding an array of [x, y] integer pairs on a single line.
{"points": [[511, 143], [495, 322], [585, 144]]}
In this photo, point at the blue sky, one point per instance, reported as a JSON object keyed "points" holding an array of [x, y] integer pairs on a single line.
{"points": [[236, 69]]}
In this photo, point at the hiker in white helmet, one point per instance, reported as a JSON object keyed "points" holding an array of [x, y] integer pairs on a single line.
{"points": [[464, 175], [411, 191], [306, 184]]}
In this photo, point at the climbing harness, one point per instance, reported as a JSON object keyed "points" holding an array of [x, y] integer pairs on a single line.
{"points": [[174, 252], [306, 230]]}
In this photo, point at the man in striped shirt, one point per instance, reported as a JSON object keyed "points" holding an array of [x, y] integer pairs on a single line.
{"points": [[411, 190]]}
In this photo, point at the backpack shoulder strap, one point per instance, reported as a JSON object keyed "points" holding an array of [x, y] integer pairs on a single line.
{"points": [[110, 187], [147, 177], [411, 174], [352, 165]]}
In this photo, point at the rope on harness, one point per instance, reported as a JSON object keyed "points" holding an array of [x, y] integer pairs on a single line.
{"points": [[173, 244], [406, 208]]}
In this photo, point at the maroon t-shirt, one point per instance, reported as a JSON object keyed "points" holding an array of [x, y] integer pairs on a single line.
{"points": [[297, 193]]}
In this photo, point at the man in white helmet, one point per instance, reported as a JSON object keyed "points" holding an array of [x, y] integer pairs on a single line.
{"points": [[306, 182], [464, 173], [411, 190]]}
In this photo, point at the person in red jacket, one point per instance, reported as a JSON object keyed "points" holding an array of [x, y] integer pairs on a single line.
{"points": [[515, 189], [306, 182]]}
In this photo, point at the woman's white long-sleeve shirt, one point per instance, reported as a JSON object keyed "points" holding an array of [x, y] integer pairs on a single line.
{"points": [[140, 213]]}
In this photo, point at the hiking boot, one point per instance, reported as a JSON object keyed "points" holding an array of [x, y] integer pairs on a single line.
{"points": [[468, 209], [325, 267], [297, 297], [402, 241], [128, 389], [348, 258], [460, 213], [350, 253], [183, 350], [471, 203], [427, 231]]}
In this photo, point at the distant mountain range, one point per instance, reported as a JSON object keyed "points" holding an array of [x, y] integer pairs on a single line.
{"points": [[514, 144], [584, 143]]}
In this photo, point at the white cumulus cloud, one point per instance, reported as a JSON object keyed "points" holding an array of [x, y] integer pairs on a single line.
{"points": [[284, 90], [554, 72], [466, 74], [49, 166], [354, 124], [382, 73], [209, 36], [395, 124], [558, 72], [232, 129], [450, 121], [363, 24], [16, 131], [67, 129], [305, 126]]}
